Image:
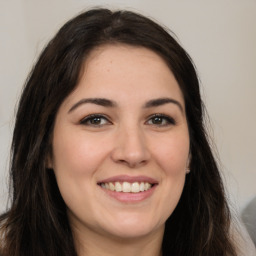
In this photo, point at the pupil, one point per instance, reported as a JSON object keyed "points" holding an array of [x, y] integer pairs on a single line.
{"points": [[96, 120], [157, 120]]}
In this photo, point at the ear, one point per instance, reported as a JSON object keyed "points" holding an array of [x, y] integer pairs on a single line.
{"points": [[188, 164], [49, 161]]}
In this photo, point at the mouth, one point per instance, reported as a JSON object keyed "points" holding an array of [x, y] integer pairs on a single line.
{"points": [[124, 184], [127, 187]]}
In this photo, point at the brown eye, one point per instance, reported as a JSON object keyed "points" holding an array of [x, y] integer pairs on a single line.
{"points": [[157, 120], [95, 120], [161, 120]]}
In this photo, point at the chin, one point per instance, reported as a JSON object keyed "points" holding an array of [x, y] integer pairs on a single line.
{"points": [[131, 227], [132, 233]]}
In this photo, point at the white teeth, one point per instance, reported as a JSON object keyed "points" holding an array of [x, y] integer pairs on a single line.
{"points": [[111, 186], [118, 187], [127, 187], [135, 187], [147, 186], [142, 185]]}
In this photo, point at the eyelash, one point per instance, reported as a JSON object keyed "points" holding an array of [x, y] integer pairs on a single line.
{"points": [[86, 120], [168, 120]]}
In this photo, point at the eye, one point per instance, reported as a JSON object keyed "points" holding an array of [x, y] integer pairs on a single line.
{"points": [[161, 120], [95, 120]]}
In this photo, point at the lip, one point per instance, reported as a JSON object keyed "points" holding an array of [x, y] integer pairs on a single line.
{"points": [[129, 197], [131, 179]]}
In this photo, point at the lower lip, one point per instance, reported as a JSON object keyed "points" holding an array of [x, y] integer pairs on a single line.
{"points": [[130, 197]]}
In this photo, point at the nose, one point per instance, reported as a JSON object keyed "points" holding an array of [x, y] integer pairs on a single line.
{"points": [[130, 148]]}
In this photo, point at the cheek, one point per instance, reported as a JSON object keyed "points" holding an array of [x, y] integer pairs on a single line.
{"points": [[172, 157], [172, 154], [76, 154], [75, 161]]}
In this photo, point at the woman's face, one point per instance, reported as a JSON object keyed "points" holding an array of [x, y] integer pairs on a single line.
{"points": [[121, 144]]}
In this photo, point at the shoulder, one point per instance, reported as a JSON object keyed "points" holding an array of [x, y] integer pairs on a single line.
{"points": [[242, 240]]}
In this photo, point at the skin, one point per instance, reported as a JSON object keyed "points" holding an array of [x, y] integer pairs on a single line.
{"points": [[127, 140]]}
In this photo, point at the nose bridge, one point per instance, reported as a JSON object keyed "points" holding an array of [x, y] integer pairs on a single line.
{"points": [[131, 145]]}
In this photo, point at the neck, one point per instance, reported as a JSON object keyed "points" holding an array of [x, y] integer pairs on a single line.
{"points": [[94, 244]]}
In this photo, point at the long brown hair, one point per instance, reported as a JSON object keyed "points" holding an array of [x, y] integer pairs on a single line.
{"points": [[36, 223]]}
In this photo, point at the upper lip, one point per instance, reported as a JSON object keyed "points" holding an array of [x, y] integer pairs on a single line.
{"points": [[131, 179]]}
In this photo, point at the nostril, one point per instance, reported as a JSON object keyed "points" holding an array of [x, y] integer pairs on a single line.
{"points": [[130, 149]]}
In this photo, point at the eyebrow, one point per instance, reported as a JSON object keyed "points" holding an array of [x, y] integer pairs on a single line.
{"points": [[98, 101], [109, 103], [162, 101]]}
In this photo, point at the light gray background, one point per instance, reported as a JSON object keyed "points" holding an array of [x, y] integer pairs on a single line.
{"points": [[219, 35]]}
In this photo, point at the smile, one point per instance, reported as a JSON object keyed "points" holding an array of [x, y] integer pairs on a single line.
{"points": [[127, 187]]}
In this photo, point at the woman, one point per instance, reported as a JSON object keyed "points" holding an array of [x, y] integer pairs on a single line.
{"points": [[109, 152]]}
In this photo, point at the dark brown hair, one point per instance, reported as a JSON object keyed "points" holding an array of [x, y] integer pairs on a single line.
{"points": [[36, 223]]}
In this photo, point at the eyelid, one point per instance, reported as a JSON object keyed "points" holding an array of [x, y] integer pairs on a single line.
{"points": [[91, 116], [170, 120]]}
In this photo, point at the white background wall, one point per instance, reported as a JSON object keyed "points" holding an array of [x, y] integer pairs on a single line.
{"points": [[220, 36]]}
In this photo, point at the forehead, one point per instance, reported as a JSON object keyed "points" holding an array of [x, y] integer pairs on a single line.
{"points": [[116, 71]]}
